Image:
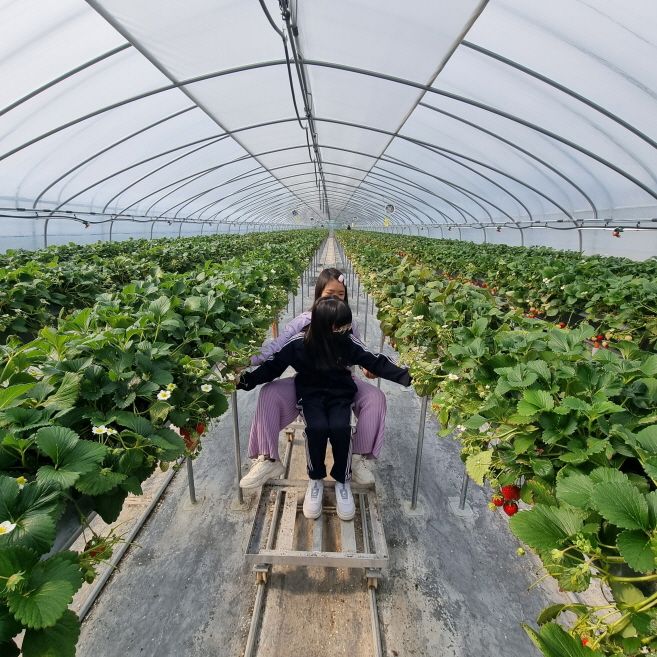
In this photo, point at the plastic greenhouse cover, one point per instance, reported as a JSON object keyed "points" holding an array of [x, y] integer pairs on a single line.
{"points": [[463, 112]]}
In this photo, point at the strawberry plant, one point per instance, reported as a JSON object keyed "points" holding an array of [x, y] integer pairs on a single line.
{"points": [[92, 404], [540, 415]]}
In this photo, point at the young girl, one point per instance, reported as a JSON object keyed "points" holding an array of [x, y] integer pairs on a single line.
{"points": [[277, 405], [325, 390]]}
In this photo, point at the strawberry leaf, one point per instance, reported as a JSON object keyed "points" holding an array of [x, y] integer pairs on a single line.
{"points": [[621, 504], [58, 640], [546, 527], [47, 592], [635, 548]]}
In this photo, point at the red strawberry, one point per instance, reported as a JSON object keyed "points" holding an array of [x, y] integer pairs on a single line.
{"points": [[585, 641], [200, 428], [596, 345], [497, 499], [600, 337], [562, 324], [511, 492], [510, 508], [184, 432]]}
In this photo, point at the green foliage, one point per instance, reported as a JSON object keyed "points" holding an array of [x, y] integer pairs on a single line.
{"points": [[550, 405]]}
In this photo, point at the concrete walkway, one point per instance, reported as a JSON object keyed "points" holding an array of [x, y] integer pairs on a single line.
{"points": [[455, 587]]}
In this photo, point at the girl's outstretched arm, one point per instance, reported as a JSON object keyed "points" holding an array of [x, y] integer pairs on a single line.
{"points": [[272, 368], [378, 363]]}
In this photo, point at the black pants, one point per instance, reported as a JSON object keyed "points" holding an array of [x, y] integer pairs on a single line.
{"points": [[328, 417]]}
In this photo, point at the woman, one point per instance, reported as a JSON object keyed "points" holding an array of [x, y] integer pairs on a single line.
{"points": [[277, 405]]}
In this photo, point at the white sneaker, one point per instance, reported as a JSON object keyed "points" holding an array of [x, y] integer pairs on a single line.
{"points": [[312, 502], [345, 506], [360, 471], [261, 471]]}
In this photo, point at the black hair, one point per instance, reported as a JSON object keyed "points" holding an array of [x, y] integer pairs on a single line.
{"points": [[324, 344], [325, 277]]}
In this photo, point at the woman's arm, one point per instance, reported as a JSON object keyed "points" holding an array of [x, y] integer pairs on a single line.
{"points": [[291, 329]]}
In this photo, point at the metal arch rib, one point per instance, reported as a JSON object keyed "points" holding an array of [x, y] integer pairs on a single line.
{"points": [[566, 90], [95, 5], [110, 147], [441, 65], [383, 76], [63, 77], [529, 154], [331, 183]]}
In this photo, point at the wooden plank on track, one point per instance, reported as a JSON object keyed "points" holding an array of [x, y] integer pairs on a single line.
{"points": [[376, 527], [288, 521], [324, 559], [318, 534], [347, 536]]}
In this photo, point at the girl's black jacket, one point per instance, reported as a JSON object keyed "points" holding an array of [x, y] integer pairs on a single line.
{"points": [[335, 382]]}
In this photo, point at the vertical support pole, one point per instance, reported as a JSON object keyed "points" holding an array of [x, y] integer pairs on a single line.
{"points": [[358, 297], [190, 480], [418, 454], [236, 436], [464, 490], [294, 303], [152, 226], [383, 339], [367, 298], [580, 241], [112, 227], [522, 237]]}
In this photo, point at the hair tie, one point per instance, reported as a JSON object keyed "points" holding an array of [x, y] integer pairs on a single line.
{"points": [[341, 279]]}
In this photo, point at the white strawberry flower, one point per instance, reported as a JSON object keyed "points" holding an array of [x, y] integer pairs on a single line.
{"points": [[484, 427], [111, 432], [418, 317], [546, 280], [21, 481], [6, 527], [230, 376], [171, 387], [206, 387], [163, 395], [100, 430], [453, 377]]}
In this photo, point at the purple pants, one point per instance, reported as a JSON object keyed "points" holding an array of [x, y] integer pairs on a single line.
{"points": [[277, 407]]}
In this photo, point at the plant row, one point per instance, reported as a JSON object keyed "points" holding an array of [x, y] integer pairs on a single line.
{"points": [[617, 296], [55, 281], [91, 406], [547, 419]]}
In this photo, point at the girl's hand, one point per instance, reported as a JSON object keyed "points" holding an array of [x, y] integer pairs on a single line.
{"points": [[368, 374]]}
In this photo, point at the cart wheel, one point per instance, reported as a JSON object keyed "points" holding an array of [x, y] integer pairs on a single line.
{"points": [[372, 582], [261, 577]]}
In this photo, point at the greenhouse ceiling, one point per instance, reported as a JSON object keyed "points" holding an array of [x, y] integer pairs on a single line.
{"points": [[459, 112]]}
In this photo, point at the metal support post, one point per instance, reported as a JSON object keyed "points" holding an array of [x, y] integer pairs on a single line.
{"points": [[236, 436], [294, 303], [464, 490], [358, 297], [190, 481], [383, 339], [367, 298], [418, 454]]}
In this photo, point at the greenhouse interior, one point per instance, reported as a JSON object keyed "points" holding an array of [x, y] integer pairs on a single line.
{"points": [[328, 328]]}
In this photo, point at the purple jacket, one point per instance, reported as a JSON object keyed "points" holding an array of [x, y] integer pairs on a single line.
{"points": [[291, 329]]}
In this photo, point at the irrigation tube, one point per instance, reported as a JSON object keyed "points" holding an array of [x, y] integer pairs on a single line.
{"points": [[118, 555]]}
